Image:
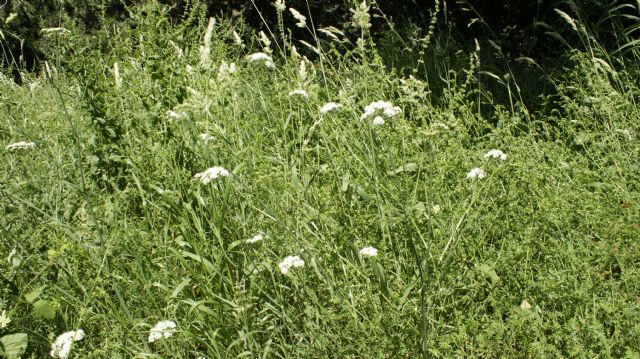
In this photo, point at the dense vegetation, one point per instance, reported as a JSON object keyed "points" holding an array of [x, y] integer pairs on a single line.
{"points": [[184, 181]]}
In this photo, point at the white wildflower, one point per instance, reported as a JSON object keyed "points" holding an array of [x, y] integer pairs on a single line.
{"points": [[163, 329], [189, 69], [436, 209], [261, 57], [237, 39], [329, 106], [302, 93], [496, 154], [226, 70], [4, 319], [22, 145], [205, 49], [211, 174], [61, 347], [386, 107], [525, 305], [368, 252], [116, 75], [378, 121], [266, 43], [290, 262], [361, 17], [279, 5], [476, 173], [257, 238], [302, 20], [206, 138], [302, 71]]}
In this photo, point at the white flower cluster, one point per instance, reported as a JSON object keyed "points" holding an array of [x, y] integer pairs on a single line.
{"points": [[496, 154], [162, 330], [290, 262], [226, 70], [22, 145], [210, 174], [368, 252], [279, 5], [329, 106], [302, 20], [302, 93], [386, 107], [476, 173], [257, 238], [62, 345], [175, 115], [263, 58]]}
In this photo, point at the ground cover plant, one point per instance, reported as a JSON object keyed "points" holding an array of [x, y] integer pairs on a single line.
{"points": [[203, 189]]}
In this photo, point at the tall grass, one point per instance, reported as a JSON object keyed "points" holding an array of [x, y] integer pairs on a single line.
{"points": [[108, 230]]}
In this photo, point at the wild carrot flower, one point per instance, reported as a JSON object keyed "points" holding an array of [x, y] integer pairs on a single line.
{"points": [[290, 262], [261, 57], [302, 93], [329, 106], [257, 238], [162, 330], [378, 121], [386, 107], [62, 345], [476, 173], [368, 252], [22, 145], [302, 20], [210, 174], [496, 154]]}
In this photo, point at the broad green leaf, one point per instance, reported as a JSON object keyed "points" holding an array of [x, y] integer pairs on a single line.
{"points": [[34, 294], [44, 308], [13, 345]]}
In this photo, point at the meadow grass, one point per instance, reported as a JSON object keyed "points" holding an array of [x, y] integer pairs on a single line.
{"points": [[107, 228]]}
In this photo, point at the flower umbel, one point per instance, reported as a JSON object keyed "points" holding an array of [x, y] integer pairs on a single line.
{"points": [[476, 173], [329, 106], [368, 252], [22, 145], [210, 174], [61, 347], [257, 238], [302, 93], [261, 57], [386, 107], [162, 330], [496, 154], [290, 262]]}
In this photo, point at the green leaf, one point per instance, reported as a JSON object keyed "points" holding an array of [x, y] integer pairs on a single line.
{"points": [[34, 294], [180, 287], [489, 273], [13, 345], [360, 191], [407, 167], [44, 308], [345, 183]]}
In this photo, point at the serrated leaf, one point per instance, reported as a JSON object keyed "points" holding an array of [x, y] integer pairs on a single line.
{"points": [[34, 294], [44, 308], [407, 167], [13, 345]]}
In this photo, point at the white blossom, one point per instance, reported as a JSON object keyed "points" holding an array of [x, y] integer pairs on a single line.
{"points": [[257, 238], [22, 145], [368, 252], [289, 262], [62, 345], [211, 174], [302, 93], [329, 106], [386, 107], [163, 329], [496, 154], [261, 57], [279, 5], [302, 20], [378, 121], [226, 70], [175, 115], [476, 173], [237, 39]]}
